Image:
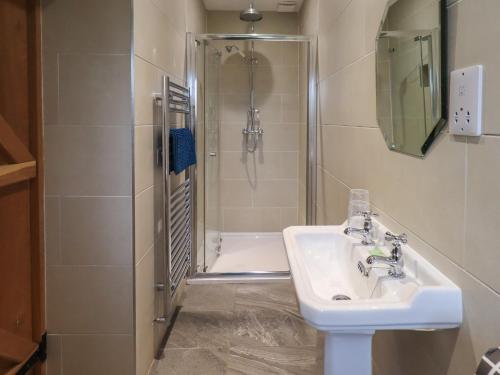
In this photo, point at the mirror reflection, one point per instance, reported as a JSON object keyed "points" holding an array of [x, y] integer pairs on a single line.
{"points": [[410, 101]]}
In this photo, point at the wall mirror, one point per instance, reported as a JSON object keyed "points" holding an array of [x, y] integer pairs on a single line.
{"points": [[412, 74]]}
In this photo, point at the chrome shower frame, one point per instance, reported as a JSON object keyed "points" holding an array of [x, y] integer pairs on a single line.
{"points": [[312, 96]]}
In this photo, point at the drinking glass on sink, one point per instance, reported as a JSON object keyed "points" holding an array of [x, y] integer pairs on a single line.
{"points": [[356, 209], [359, 195]]}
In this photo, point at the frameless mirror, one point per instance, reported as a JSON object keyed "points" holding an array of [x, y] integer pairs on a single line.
{"points": [[411, 74]]}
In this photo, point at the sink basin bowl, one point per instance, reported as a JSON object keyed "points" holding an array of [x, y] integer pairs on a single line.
{"points": [[324, 265]]}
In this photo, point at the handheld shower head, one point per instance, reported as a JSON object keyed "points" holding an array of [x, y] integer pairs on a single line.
{"points": [[230, 49], [251, 14]]}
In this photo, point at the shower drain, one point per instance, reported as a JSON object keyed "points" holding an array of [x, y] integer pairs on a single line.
{"points": [[341, 297]]}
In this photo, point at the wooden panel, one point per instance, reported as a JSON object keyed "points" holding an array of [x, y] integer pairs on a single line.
{"points": [[15, 260], [14, 173], [21, 204], [37, 184], [15, 348], [11, 144]]}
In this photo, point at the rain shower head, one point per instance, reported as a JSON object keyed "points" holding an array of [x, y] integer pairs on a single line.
{"points": [[251, 14]]}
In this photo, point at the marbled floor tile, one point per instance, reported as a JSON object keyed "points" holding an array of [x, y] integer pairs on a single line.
{"points": [[273, 360], [190, 362], [201, 329], [270, 328], [209, 297], [251, 329], [277, 296]]}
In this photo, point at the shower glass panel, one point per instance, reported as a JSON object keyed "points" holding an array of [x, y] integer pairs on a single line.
{"points": [[212, 155], [258, 132]]}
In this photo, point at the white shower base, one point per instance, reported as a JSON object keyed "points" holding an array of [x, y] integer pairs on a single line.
{"points": [[246, 252]]}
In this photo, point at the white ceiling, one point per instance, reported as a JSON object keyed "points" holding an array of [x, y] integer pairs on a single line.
{"points": [[262, 5]]}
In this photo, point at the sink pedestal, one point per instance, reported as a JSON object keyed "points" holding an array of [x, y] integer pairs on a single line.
{"points": [[348, 353]]}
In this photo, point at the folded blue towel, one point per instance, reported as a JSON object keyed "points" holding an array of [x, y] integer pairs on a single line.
{"points": [[182, 150]]}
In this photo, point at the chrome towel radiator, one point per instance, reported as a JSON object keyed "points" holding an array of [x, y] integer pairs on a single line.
{"points": [[173, 206]]}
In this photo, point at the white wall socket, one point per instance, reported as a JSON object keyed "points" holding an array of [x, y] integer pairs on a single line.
{"points": [[466, 101]]}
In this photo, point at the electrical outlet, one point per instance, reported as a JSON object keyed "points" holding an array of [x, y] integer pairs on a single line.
{"points": [[466, 101]]}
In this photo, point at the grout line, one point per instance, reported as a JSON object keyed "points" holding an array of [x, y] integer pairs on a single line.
{"points": [[150, 248], [124, 266], [91, 196], [465, 199], [351, 126], [345, 67]]}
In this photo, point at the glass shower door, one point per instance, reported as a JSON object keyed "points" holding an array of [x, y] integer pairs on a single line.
{"points": [[212, 156]]}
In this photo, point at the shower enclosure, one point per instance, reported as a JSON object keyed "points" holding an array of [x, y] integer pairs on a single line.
{"points": [[256, 131]]}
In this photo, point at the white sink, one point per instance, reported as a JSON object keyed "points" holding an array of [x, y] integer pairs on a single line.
{"points": [[324, 264]]}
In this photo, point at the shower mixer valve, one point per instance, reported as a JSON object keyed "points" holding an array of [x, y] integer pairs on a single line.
{"points": [[257, 131], [253, 129]]}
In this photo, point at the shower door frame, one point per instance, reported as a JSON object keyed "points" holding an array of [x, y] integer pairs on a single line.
{"points": [[312, 107]]}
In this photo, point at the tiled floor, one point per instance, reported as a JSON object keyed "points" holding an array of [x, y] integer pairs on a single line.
{"points": [[246, 252], [250, 329]]}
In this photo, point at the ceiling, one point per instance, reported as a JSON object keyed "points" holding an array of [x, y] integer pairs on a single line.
{"points": [[262, 5]]}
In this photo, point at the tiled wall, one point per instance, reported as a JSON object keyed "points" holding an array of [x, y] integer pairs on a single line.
{"points": [[159, 40], [259, 191], [88, 145], [448, 202]]}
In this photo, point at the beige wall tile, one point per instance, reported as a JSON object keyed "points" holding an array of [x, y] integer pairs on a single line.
{"points": [[66, 26], [264, 219], [144, 222], [348, 96], [236, 193], [50, 72], [309, 17], [277, 137], [94, 89], [175, 10], [277, 79], [97, 354], [332, 199], [54, 363], [483, 209], [89, 300], [272, 23], [145, 150], [344, 42], [289, 217], [267, 165], [277, 165], [471, 35], [88, 161], [150, 27], [329, 11], [196, 18], [147, 82], [145, 303], [96, 231], [276, 193], [235, 107], [281, 138], [291, 105], [88, 121], [53, 230]]}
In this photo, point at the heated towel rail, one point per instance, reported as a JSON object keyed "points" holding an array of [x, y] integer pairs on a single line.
{"points": [[173, 206]]}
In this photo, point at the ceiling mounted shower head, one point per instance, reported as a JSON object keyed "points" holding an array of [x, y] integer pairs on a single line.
{"points": [[251, 14]]}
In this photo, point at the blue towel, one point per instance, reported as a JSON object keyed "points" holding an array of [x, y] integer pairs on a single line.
{"points": [[182, 150]]}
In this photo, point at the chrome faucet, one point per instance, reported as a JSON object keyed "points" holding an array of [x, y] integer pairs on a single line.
{"points": [[367, 231], [395, 261]]}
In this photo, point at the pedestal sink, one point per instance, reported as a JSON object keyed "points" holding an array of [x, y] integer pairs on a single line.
{"points": [[335, 297]]}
